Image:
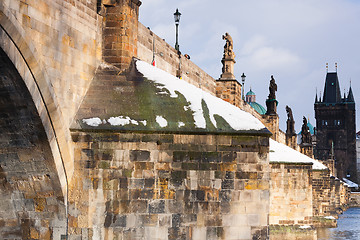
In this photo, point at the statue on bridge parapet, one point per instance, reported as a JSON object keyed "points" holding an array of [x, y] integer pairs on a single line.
{"points": [[271, 102], [305, 133], [291, 137], [306, 146], [228, 59], [272, 88], [228, 47], [290, 128]]}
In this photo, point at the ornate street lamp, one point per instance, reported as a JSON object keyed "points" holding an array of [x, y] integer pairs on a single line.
{"points": [[177, 15], [243, 85]]}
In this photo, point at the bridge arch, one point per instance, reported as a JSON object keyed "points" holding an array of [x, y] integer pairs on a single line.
{"points": [[32, 205], [35, 154], [23, 55]]}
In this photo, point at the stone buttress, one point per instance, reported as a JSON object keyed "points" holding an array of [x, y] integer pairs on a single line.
{"points": [[145, 169]]}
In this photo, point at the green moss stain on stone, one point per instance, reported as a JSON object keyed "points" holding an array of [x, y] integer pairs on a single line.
{"points": [[155, 100], [127, 172], [104, 165], [209, 124]]}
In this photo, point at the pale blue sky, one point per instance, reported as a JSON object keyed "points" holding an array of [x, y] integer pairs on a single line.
{"points": [[292, 40]]}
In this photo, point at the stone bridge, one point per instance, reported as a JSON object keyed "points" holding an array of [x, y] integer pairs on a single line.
{"points": [[49, 52], [68, 70]]}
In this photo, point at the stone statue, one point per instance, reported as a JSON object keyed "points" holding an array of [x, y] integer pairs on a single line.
{"points": [[290, 116], [228, 59], [305, 133], [271, 102], [290, 130], [228, 47], [272, 88]]}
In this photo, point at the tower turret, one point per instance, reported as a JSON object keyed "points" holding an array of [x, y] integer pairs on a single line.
{"points": [[350, 97]]}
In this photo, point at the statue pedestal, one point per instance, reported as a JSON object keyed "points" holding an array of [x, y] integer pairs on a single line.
{"points": [[227, 76], [271, 106], [307, 149], [291, 140], [271, 122], [228, 68]]}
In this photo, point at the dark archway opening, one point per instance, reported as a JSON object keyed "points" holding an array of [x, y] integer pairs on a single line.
{"points": [[31, 201]]}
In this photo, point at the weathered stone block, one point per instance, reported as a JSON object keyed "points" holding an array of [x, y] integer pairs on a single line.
{"points": [[119, 221], [149, 220], [199, 233], [180, 156], [176, 220], [234, 220], [227, 184], [177, 233], [139, 155], [237, 232], [156, 233], [157, 206]]}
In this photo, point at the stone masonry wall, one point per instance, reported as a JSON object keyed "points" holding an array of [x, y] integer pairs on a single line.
{"points": [[167, 59], [325, 199], [290, 194], [169, 186], [230, 91], [330, 198], [321, 193], [271, 122], [63, 36], [120, 32], [354, 199], [336, 205], [345, 196]]}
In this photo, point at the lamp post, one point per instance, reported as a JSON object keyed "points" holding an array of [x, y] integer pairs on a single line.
{"points": [[177, 15], [243, 85]]}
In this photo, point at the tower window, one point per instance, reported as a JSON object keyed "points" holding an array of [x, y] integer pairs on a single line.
{"points": [[337, 122]]}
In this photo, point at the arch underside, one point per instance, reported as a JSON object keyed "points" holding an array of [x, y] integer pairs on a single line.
{"points": [[23, 54], [31, 198]]}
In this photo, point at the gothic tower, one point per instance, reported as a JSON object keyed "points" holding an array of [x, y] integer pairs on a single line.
{"points": [[335, 128]]}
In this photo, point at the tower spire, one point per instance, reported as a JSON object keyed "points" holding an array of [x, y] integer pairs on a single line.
{"points": [[332, 93], [350, 97]]}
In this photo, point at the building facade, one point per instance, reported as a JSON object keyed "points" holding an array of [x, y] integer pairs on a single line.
{"points": [[335, 128]]}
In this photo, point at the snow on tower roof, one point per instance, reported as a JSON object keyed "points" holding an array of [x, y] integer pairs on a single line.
{"points": [[280, 153]]}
